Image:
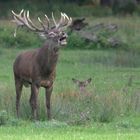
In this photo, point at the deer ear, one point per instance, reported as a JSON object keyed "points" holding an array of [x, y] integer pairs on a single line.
{"points": [[88, 81], [75, 81]]}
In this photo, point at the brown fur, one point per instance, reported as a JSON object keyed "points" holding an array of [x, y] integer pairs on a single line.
{"points": [[36, 68]]}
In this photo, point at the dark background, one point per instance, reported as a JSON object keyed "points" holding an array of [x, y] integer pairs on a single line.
{"points": [[71, 7]]}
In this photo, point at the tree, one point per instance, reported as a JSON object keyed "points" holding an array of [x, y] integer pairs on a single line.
{"points": [[105, 2], [123, 7]]}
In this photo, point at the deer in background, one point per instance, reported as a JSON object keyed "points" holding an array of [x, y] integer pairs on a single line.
{"points": [[82, 84], [84, 96], [37, 67]]}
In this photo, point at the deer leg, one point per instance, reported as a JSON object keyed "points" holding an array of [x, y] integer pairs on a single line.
{"points": [[33, 100], [18, 86], [48, 104]]}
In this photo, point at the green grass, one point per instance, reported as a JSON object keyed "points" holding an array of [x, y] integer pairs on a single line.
{"points": [[57, 130], [109, 77]]}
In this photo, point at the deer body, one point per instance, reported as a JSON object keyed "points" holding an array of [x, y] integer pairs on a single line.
{"points": [[37, 67]]}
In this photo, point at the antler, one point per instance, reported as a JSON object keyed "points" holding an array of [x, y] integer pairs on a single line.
{"points": [[64, 21], [23, 19]]}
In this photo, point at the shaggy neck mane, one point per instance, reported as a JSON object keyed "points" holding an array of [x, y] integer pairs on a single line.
{"points": [[47, 58]]}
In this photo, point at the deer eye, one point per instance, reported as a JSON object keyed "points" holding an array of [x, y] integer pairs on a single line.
{"points": [[61, 34]]}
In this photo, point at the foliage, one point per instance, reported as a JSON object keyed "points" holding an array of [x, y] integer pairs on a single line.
{"points": [[37, 8], [125, 37], [74, 8], [26, 39], [75, 42], [123, 7], [7, 39], [3, 117]]}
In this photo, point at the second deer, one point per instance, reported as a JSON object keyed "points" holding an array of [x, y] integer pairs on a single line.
{"points": [[82, 85]]}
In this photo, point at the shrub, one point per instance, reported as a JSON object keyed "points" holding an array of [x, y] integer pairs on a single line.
{"points": [[98, 36], [3, 117], [75, 41], [23, 39]]}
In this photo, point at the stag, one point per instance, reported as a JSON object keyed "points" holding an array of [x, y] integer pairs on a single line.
{"points": [[37, 68]]}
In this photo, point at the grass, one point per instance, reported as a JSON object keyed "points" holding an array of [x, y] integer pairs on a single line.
{"points": [[56, 130], [108, 78]]}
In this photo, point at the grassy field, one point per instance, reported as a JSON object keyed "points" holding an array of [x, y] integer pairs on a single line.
{"points": [[97, 132], [111, 108], [108, 77]]}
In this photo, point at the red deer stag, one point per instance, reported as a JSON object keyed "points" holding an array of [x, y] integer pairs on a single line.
{"points": [[37, 67]]}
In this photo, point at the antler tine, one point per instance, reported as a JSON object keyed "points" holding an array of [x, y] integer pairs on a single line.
{"points": [[66, 16], [63, 18], [65, 21], [48, 21], [47, 18], [33, 25], [60, 21], [54, 20], [18, 15], [69, 22], [42, 24], [21, 12], [25, 20], [17, 18]]}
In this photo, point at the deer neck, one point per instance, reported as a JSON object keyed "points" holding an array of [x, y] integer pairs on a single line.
{"points": [[48, 56]]}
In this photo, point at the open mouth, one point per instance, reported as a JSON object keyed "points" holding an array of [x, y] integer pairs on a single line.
{"points": [[63, 41]]}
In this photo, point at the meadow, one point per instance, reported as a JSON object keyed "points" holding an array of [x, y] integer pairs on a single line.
{"points": [[110, 109]]}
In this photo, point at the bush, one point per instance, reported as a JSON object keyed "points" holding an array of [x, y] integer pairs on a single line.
{"points": [[3, 117], [98, 36], [75, 42], [24, 39]]}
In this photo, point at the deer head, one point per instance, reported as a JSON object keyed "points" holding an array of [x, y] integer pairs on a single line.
{"points": [[82, 84], [54, 33]]}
